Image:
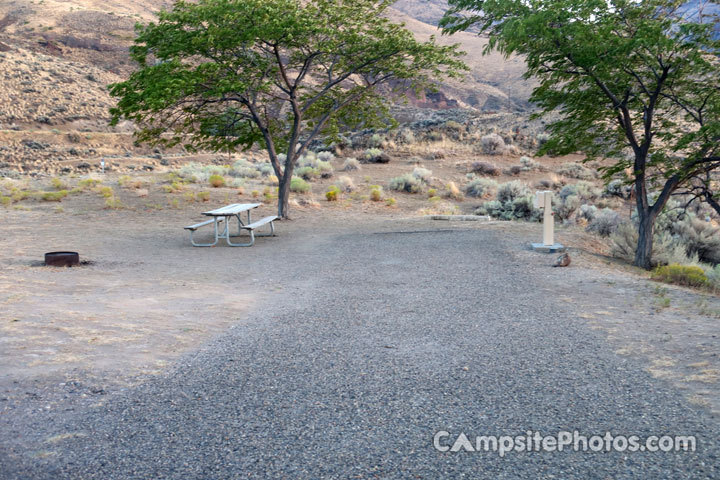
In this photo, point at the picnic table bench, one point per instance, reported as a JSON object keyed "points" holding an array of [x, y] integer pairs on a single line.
{"points": [[224, 214]]}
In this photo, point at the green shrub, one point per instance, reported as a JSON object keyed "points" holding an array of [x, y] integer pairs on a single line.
{"points": [[575, 170], [5, 201], [510, 191], [332, 194], [689, 276], [375, 155], [203, 196], [217, 181], [605, 222], [307, 173], [351, 164], [105, 192], [88, 182], [406, 183], [53, 196], [298, 185], [411, 182], [486, 168], [390, 202], [58, 184], [481, 187], [492, 144], [375, 193]]}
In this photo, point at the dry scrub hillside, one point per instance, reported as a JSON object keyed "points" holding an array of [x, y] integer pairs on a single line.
{"points": [[60, 55]]}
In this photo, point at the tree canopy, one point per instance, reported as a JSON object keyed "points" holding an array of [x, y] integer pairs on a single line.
{"points": [[224, 75], [634, 81]]}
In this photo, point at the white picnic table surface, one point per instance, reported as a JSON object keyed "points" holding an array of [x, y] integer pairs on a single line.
{"points": [[232, 210]]}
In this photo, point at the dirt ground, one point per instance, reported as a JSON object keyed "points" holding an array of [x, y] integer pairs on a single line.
{"points": [[145, 296]]}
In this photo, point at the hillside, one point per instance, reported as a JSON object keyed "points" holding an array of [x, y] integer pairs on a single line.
{"points": [[58, 55]]}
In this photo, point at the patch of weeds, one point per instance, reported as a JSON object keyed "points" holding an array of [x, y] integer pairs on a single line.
{"points": [[298, 185], [58, 184], [53, 196], [88, 183], [332, 194], [203, 196], [376, 193], [113, 203], [706, 310], [685, 275], [105, 192], [190, 197], [390, 202], [216, 181], [5, 201]]}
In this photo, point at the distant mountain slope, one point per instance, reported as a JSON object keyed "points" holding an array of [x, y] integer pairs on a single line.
{"points": [[428, 11], [76, 46]]}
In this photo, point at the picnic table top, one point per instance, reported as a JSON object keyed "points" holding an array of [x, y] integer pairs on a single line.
{"points": [[232, 209]]}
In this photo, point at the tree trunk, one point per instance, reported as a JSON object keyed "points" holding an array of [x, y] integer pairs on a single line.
{"points": [[284, 197], [643, 254]]}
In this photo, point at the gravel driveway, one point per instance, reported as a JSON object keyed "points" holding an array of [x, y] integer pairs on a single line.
{"points": [[369, 345]]}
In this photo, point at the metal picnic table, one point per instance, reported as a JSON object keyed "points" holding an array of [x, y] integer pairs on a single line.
{"points": [[226, 213]]}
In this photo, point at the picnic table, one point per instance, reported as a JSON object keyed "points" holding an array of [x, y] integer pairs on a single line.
{"points": [[224, 215]]}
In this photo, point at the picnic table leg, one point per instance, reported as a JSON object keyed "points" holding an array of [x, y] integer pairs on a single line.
{"points": [[249, 244]]}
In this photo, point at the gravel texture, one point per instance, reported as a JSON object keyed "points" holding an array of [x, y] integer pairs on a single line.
{"points": [[369, 345]]}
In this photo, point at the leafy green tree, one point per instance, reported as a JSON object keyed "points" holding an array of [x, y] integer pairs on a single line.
{"points": [[223, 75], [634, 81]]}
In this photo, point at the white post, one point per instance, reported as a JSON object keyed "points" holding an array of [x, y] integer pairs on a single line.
{"points": [[548, 220]]}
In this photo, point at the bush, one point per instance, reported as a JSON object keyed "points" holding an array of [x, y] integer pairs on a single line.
{"points": [[325, 156], [244, 169], [58, 184], [527, 164], [375, 155], [453, 191], [351, 164], [584, 190], [492, 144], [307, 173], [605, 223], [510, 191], [332, 194], [686, 275], [203, 196], [390, 202], [623, 244], [346, 184], [217, 181], [700, 238], [298, 185], [481, 187], [375, 193], [411, 182], [54, 196], [485, 168], [88, 182], [575, 170], [588, 212], [422, 174], [406, 183], [617, 188], [567, 206], [517, 209]]}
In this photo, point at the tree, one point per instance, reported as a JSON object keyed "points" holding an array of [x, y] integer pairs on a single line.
{"points": [[634, 81], [223, 75]]}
